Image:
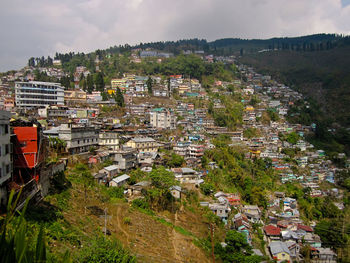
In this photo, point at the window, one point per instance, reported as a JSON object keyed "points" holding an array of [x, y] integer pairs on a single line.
{"points": [[7, 149], [7, 168]]}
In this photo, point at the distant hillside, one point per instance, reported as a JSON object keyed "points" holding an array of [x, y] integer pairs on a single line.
{"points": [[322, 75]]}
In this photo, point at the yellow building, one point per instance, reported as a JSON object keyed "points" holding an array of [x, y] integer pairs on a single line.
{"points": [[118, 83], [183, 89], [280, 251], [75, 96], [249, 108], [143, 144]]}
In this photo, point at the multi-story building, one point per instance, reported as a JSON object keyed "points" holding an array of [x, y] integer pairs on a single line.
{"points": [[54, 112], [162, 118], [5, 155], [79, 139], [125, 158], [143, 144], [38, 94], [74, 96], [109, 140]]}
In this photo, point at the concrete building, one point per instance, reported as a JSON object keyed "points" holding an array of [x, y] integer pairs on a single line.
{"points": [[109, 140], [5, 155], [125, 158], [162, 118], [79, 139], [38, 94], [143, 144]]}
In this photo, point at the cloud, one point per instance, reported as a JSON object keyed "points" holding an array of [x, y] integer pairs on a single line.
{"points": [[42, 27]]}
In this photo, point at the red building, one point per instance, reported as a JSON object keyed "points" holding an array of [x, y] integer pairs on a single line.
{"points": [[27, 152]]}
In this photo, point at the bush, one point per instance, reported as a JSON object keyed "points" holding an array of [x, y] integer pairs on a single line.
{"points": [[115, 192], [127, 220], [140, 203]]}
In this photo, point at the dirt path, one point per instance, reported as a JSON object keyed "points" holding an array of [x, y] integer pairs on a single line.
{"points": [[119, 224], [176, 241]]}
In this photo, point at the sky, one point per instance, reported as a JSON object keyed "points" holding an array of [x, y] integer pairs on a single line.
{"points": [[42, 27]]}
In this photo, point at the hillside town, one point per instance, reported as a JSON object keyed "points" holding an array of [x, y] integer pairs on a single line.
{"points": [[141, 122]]}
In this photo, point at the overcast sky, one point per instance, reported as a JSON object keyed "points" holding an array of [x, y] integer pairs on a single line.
{"points": [[42, 27]]}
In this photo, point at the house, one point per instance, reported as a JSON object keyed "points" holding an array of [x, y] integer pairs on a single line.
{"points": [[119, 181], [221, 210], [143, 144], [272, 232], [326, 255], [110, 171], [186, 175], [176, 191], [148, 158], [136, 189], [305, 228], [241, 220], [279, 251], [125, 158], [99, 158], [252, 212]]}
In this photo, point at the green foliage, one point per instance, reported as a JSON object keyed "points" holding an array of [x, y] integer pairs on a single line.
{"points": [[127, 220], [104, 250], [250, 133], [141, 203], [119, 98], [115, 192], [207, 188], [149, 84], [237, 249], [331, 232], [292, 137], [174, 160], [16, 237], [273, 114], [162, 179], [99, 82]]}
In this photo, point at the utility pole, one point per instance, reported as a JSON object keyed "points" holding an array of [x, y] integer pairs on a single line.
{"points": [[105, 221], [212, 241]]}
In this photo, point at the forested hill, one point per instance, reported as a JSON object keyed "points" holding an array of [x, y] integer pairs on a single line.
{"points": [[323, 75]]}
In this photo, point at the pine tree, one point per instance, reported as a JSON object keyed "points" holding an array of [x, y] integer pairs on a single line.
{"points": [[149, 84], [119, 98]]}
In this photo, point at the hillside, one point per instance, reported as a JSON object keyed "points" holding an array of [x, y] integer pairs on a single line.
{"points": [[321, 75], [149, 236]]}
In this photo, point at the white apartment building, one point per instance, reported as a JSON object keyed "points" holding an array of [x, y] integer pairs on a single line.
{"points": [[109, 140], [38, 94], [162, 118], [5, 154]]}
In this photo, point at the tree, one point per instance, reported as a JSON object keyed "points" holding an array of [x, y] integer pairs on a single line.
{"points": [[31, 62], [175, 160], [119, 98], [237, 249], [162, 178], [99, 81], [149, 84], [90, 84]]}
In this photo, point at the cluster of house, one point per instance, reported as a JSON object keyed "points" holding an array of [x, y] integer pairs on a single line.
{"points": [[73, 116]]}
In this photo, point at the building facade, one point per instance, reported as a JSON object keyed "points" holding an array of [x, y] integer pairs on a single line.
{"points": [[143, 144], [38, 94], [162, 118], [109, 140], [5, 155]]}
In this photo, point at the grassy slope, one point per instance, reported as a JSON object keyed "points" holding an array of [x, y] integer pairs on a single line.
{"points": [[151, 238], [322, 75]]}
